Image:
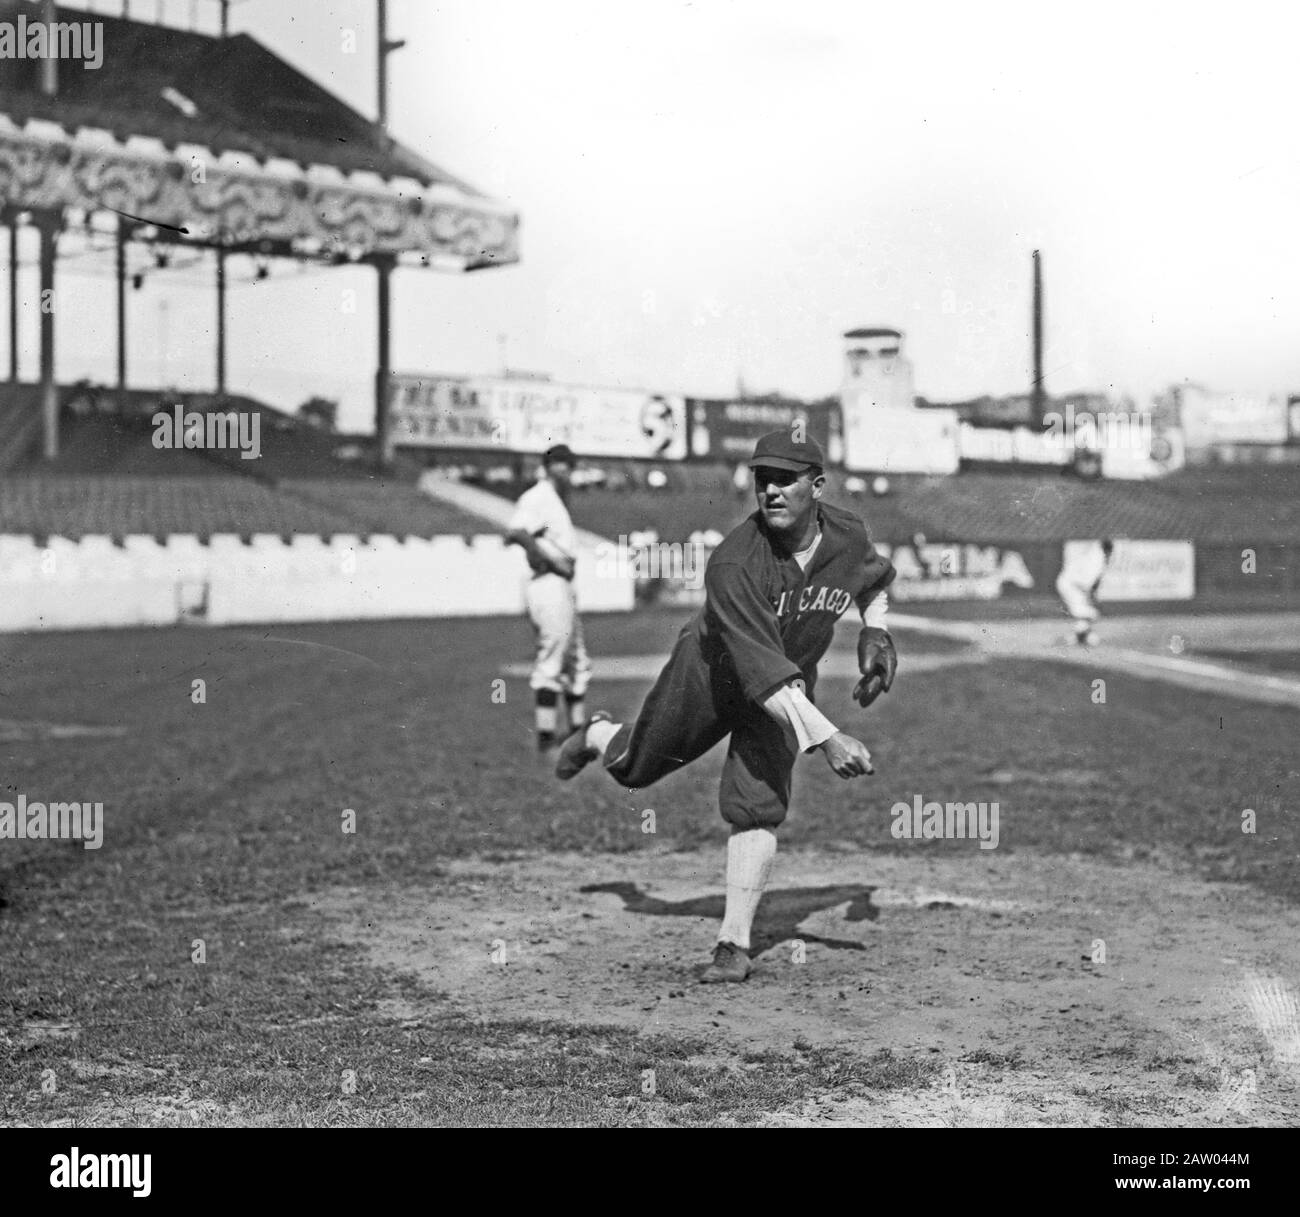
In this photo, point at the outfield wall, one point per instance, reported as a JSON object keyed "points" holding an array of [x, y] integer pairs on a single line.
{"points": [[1142, 570], [94, 583]]}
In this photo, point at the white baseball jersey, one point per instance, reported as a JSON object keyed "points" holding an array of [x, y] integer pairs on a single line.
{"points": [[541, 508]]}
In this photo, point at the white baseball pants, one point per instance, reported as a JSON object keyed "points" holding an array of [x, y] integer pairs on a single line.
{"points": [[1077, 600], [562, 662]]}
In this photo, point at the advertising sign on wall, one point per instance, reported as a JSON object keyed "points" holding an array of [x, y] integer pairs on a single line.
{"points": [[949, 571], [1145, 570], [898, 439], [521, 415], [1231, 418], [728, 430], [1018, 445]]}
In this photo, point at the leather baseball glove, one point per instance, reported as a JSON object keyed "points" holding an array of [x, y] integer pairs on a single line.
{"points": [[877, 661]]}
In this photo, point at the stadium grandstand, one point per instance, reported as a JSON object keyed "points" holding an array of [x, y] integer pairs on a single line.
{"points": [[290, 172], [1215, 505], [109, 479], [213, 144]]}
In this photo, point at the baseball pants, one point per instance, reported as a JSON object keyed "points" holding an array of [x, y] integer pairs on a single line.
{"points": [[562, 663], [692, 707], [1077, 600]]}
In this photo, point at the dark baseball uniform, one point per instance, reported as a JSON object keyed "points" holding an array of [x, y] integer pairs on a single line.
{"points": [[764, 622]]}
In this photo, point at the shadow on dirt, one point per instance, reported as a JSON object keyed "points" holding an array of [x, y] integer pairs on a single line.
{"points": [[778, 917]]}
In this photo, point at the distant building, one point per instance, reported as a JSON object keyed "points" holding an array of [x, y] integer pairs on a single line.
{"points": [[876, 372], [884, 432], [1017, 409], [1014, 410]]}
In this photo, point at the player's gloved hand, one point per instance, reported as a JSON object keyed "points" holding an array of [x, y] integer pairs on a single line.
{"points": [[877, 661], [847, 756]]}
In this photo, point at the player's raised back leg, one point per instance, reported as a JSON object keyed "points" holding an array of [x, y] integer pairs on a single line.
{"points": [[678, 722]]}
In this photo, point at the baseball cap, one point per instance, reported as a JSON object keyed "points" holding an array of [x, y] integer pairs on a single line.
{"points": [[780, 450], [558, 452]]}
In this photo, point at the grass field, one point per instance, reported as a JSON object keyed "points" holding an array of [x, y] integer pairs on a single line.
{"points": [[348, 978]]}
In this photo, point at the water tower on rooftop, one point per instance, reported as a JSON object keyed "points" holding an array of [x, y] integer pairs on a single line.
{"points": [[876, 372]]}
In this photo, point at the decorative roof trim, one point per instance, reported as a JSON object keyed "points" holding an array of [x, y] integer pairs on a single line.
{"points": [[233, 199]]}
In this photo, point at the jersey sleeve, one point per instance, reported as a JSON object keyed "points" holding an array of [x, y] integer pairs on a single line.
{"points": [[879, 573], [747, 627], [792, 709], [875, 615], [526, 517]]}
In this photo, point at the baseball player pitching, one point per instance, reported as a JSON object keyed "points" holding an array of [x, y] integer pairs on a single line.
{"points": [[746, 667], [1077, 586], [541, 525]]}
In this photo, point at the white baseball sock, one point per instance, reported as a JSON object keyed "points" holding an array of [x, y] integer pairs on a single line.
{"points": [[576, 704], [749, 863], [544, 712]]}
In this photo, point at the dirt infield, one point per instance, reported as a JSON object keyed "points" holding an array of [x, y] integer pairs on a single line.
{"points": [[984, 964]]}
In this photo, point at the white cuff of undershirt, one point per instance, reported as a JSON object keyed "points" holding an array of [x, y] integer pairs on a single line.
{"points": [[875, 612], [790, 707]]}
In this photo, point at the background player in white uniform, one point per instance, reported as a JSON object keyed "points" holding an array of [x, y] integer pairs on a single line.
{"points": [[541, 525], [1077, 585]]}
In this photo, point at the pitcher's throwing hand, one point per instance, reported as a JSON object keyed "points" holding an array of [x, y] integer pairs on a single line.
{"points": [[847, 756]]}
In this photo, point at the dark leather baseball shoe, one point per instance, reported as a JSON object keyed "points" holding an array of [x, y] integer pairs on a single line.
{"points": [[730, 965], [575, 753]]}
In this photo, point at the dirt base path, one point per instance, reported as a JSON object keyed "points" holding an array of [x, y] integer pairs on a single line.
{"points": [[1158, 647]]}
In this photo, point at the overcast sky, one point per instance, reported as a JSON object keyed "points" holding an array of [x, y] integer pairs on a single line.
{"points": [[717, 188]]}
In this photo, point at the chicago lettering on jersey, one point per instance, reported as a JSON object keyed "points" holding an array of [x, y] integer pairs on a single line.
{"points": [[814, 600]]}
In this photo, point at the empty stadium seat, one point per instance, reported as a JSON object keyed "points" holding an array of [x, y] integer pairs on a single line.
{"points": [[119, 505]]}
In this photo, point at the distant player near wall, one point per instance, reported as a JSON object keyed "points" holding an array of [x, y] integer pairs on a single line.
{"points": [[1077, 586]]}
